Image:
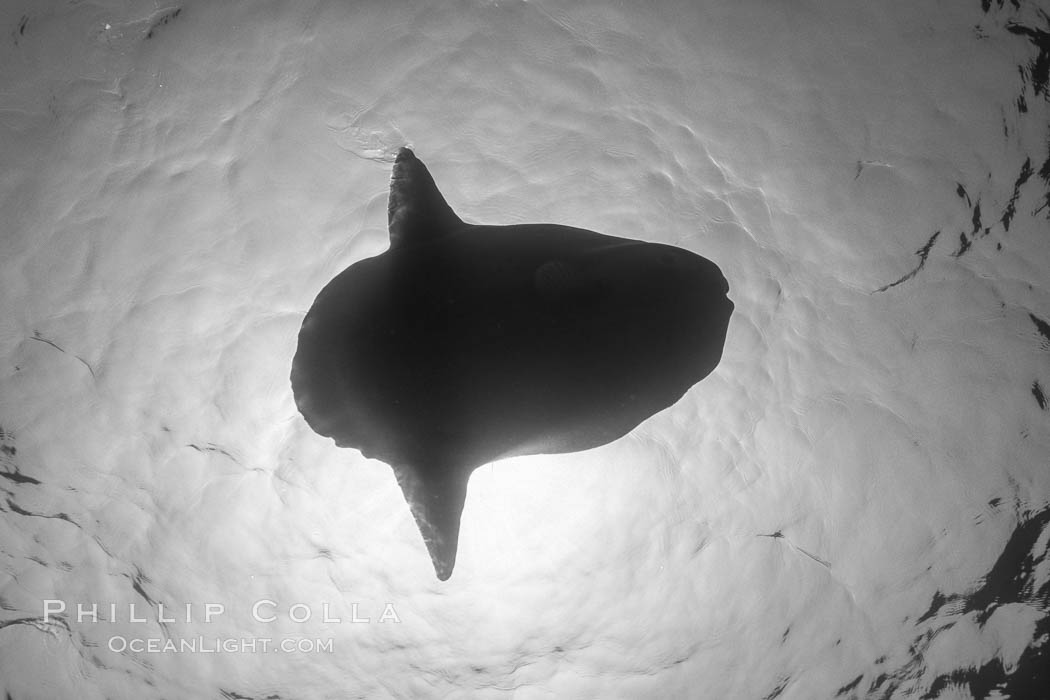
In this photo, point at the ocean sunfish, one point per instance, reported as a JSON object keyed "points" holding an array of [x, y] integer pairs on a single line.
{"points": [[463, 344]]}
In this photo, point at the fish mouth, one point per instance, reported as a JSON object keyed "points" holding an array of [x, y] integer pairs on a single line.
{"points": [[725, 296], [725, 304]]}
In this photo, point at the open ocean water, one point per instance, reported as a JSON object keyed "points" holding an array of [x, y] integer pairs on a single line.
{"points": [[855, 504]]}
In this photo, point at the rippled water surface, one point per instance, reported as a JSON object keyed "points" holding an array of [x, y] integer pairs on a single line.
{"points": [[854, 504]]}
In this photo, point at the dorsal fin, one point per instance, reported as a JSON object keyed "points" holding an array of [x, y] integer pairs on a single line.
{"points": [[416, 211], [436, 499]]}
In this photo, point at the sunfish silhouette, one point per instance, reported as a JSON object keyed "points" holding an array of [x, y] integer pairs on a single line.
{"points": [[463, 344]]}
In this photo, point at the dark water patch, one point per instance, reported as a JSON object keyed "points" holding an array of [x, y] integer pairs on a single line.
{"points": [[1012, 579], [1036, 74], [1044, 330], [8, 466], [53, 621], [976, 221], [1039, 67], [986, 5], [1029, 679], [775, 693], [18, 477], [41, 339], [233, 695], [1011, 206], [15, 508], [163, 20], [936, 604], [1031, 22], [1037, 392], [211, 447], [17, 621], [1022, 100], [849, 686], [38, 623], [923, 253], [1044, 175], [20, 30], [138, 584], [881, 680]]}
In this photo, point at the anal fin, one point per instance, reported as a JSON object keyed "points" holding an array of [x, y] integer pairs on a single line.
{"points": [[436, 499]]}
